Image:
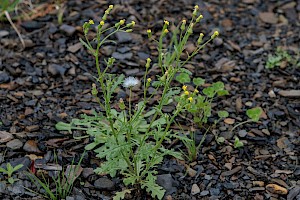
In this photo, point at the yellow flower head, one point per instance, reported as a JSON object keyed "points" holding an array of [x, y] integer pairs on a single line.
{"points": [[216, 33], [190, 99], [149, 80], [166, 31], [91, 21], [184, 87], [133, 23], [167, 22], [102, 23], [148, 31], [196, 7], [196, 91], [148, 59], [122, 21], [186, 92], [184, 21], [111, 6]]}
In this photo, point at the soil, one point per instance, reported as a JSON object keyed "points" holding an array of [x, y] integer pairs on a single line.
{"points": [[50, 81]]}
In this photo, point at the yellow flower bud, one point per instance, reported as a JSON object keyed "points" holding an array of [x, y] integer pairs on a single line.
{"points": [[199, 18], [122, 21], [166, 22], [190, 99], [149, 33], [215, 34], [196, 7], [184, 87], [166, 31], [186, 92], [184, 21], [91, 21], [196, 91], [102, 23], [133, 23], [149, 80], [182, 27], [111, 6]]}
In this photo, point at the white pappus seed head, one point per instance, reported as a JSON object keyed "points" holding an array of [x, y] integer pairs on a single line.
{"points": [[130, 82]]}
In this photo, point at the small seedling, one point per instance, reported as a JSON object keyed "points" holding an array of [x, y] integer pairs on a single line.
{"points": [[10, 170], [280, 57], [238, 143]]}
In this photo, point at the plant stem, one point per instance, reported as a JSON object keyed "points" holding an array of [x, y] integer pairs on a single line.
{"points": [[249, 120]]}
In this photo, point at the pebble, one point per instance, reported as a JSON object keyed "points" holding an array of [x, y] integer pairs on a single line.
{"points": [[242, 133], [214, 191], [2, 187], [14, 144], [31, 146], [4, 77], [276, 189], [166, 181], [31, 25], [123, 37], [191, 172], [204, 193], [195, 189], [5, 136], [55, 69], [69, 30], [122, 56], [3, 33], [293, 193], [104, 183], [87, 172], [229, 120], [272, 94], [268, 17], [231, 172], [289, 93], [75, 47]]}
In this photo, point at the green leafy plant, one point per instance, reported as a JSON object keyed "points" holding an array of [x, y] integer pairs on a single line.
{"points": [[237, 143], [63, 181], [280, 57], [7, 6], [130, 139], [10, 170]]}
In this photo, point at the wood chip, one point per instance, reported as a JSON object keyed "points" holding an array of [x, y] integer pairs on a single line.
{"points": [[289, 93]]}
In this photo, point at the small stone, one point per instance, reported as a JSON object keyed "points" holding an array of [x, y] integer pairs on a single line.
{"points": [[204, 193], [283, 142], [122, 56], [207, 177], [229, 120], [242, 133], [87, 172], [293, 193], [55, 69], [75, 47], [258, 183], [272, 94], [289, 93], [257, 189], [276, 189], [104, 183], [214, 191], [32, 128], [3, 33], [70, 30], [31, 25], [123, 37], [14, 144], [31, 146], [166, 181], [191, 172], [195, 189], [231, 172], [5, 136], [4, 77], [268, 17], [2, 187]]}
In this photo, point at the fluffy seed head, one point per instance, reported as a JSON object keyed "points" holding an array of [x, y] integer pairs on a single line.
{"points": [[130, 82]]}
